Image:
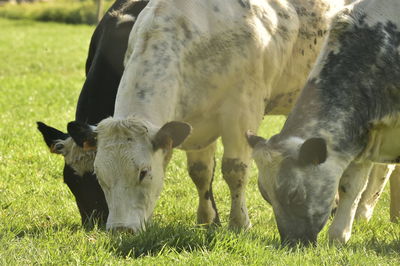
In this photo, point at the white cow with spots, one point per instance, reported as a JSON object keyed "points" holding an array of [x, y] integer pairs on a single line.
{"points": [[197, 70], [346, 119]]}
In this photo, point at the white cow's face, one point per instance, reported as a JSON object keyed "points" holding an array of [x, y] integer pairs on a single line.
{"points": [[129, 164], [130, 172], [296, 178]]}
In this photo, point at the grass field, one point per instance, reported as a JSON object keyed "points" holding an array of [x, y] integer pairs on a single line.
{"points": [[66, 11], [41, 74]]}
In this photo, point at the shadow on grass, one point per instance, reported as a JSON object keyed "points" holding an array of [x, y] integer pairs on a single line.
{"points": [[37, 230], [379, 246], [179, 238]]}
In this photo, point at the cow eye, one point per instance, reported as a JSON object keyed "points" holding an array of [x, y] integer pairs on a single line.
{"points": [[142, 174], [59, 146]]}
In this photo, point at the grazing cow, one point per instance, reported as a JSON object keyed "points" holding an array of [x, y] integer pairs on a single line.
{"points": [[347, 117], [208, 68], [104, 67]]}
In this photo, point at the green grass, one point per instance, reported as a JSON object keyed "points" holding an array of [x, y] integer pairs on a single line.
{"points": [[41, 74], [67, 11]]}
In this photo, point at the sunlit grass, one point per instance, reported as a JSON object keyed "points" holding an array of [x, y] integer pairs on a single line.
{"points": [[41, 74], [66, 11]]}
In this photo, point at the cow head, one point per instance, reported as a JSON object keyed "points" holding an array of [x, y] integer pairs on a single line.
{"points": [[130, 161], [290, 178], [78, 174]]}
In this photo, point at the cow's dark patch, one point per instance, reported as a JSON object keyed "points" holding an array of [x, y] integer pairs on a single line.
{"points": [[230, 165], [185, 28], [196, 172], [271, 104], [306, 34], [244, 3], [89, 196], [216, 9], [283, 32], [279, 101], [363, 75], [283, 15], [207, 195], [141, 94]]}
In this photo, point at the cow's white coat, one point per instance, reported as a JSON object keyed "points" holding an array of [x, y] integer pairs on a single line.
{"points": [[217, 65]]}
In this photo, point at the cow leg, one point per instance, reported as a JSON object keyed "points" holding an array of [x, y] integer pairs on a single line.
{"points": [[395, 195], [235, 164], [376, 183], [201, 166], [234, 171], [351, 186]]}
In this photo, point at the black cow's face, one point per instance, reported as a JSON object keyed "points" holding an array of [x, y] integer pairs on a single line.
{"points": [[89, 196], [78, 175], [294, 178]]}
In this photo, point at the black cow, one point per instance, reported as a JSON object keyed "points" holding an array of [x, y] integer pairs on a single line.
{"points": [[104, 67]]}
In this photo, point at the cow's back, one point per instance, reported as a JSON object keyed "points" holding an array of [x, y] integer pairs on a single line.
{"points": [[194, 53]]}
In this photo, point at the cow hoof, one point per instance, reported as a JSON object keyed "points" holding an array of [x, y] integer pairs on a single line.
{"points": [[239, 227], [338, 237]]}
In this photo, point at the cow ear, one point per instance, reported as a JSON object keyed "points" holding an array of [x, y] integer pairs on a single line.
{"points": [[52, 137], [83, 135], [171, 135], [253, 139], [313, 151]]}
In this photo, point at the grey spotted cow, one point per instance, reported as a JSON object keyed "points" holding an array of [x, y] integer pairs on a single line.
{"points": [[347, 117], [208, 69]]}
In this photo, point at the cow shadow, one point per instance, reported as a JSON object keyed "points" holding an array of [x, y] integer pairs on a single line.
{"points": [[40, 228], [190, 239], [377, 246], [181, 238]]}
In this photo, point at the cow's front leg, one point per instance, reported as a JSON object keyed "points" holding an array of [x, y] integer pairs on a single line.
{"points": [[234, 171], [351, 187], [395, 195], [201, 165], [376, 183], [235, 164]]}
